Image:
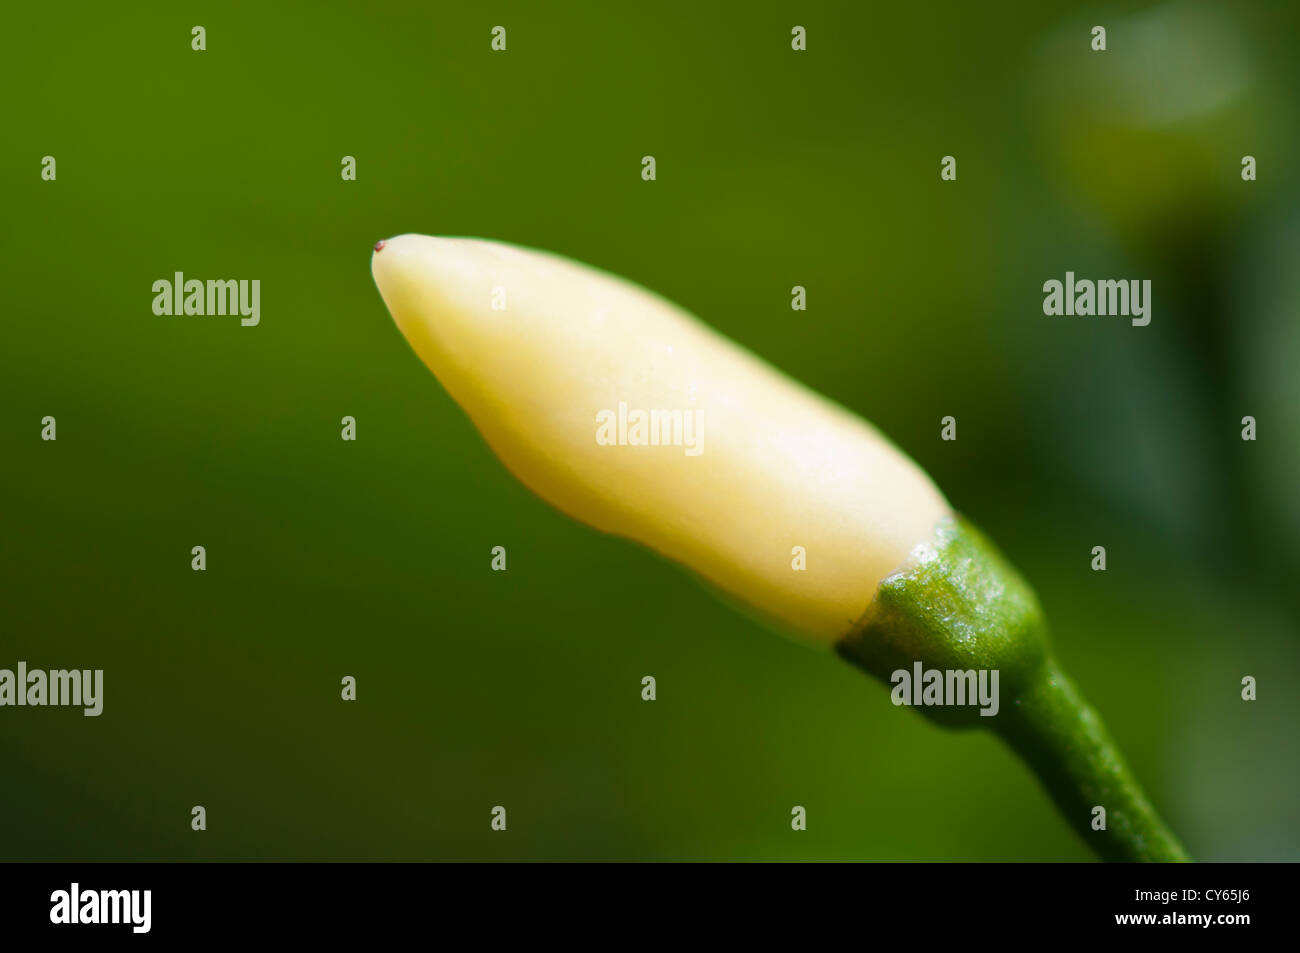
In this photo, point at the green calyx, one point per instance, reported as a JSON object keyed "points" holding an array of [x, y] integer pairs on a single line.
{"points": [[960, 607]]}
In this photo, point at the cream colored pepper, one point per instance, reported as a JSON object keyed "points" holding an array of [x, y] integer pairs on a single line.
{"points": [[555, 362], [552, 360]]}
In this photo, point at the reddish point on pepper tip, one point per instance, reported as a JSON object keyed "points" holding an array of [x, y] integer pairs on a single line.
{"points": [[379, 245]]}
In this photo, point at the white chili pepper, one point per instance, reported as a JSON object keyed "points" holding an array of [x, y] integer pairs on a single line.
{"points": [[627, 413]]}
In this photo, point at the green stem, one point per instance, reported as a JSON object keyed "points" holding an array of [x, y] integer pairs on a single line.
{"points": [[1061, 737], [960, 606]]}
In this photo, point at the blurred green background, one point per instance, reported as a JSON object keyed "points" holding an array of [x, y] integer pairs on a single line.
{"points": [[775, 168]]}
